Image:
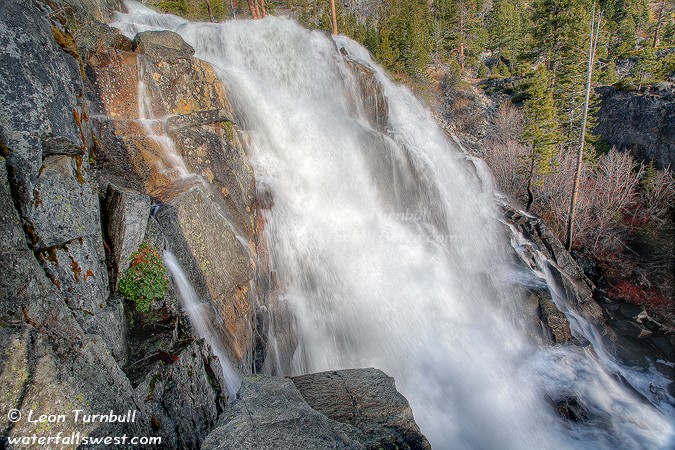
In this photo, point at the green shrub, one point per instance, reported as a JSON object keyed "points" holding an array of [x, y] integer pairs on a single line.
{"points": [[146, 278]]}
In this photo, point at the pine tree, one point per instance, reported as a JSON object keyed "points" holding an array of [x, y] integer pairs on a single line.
{"points": [[541, 129], [559, 30], [385, 53], [647, 68], [405, 36], [507, 30], [460, 27]]}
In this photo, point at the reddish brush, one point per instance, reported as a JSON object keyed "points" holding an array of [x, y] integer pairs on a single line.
{"points": [[635, 294]]}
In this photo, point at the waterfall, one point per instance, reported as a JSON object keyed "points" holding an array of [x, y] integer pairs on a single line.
{"points": [[204, 320], [389, 251]]}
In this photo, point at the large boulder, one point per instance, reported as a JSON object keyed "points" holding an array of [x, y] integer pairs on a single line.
{"points": [[127, 215], [202, 239], [366, 399], [161, 46], [345, 409], [270, 413]]}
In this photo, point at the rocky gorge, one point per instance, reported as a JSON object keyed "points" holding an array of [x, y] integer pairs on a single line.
{"points": [[109, 142]]}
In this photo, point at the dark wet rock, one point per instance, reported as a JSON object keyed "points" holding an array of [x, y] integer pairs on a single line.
{"points": [[588, 264], [127, 215], [264, 199], [631, 329], [555, 321], [366, 399], [642, 124], [11, 233], [570, 408], [633, 312], [162, 46], [185, 394]]}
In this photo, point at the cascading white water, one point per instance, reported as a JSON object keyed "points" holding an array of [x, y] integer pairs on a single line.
{"points": [[390, 252], [204, 320]]}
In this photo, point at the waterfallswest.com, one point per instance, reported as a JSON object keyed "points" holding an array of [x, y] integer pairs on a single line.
{"points": [[76, 439]]}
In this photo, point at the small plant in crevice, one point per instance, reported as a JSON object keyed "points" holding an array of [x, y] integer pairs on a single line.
{"points": [[146, 279]]}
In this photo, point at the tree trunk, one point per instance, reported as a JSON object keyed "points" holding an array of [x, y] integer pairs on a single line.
{"points": [[461, 57], [530, 180], [333, 16], [210, 10], [252, 9], [658, 25], [257, 9], [263, 8], [582, 139]]}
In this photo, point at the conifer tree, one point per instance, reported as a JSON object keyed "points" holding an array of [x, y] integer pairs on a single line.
{"points": [[461, 26], [405, 36], [385, 52], [559, 30], [541, 129], [507, 28]]}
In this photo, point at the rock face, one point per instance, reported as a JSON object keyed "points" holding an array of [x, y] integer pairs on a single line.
{"points": [[641, 124], [78, 175], [346, 409], [189, 157], [375, 103]]}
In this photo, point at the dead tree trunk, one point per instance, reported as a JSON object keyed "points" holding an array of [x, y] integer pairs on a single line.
{"points": [[333, 16], [210, 11], [252, 9], [530, 181], [595, 31], [658, 25]]}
